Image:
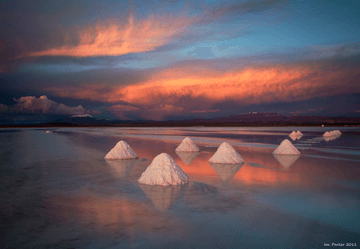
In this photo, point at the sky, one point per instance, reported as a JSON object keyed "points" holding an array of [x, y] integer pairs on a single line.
{"points": [[172, 60]]}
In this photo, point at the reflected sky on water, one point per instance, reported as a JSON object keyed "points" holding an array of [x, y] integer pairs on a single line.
{"points": [[58, 191]]}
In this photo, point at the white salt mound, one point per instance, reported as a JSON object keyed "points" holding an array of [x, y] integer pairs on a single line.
{"points": [[293, 134], [164, 171], [187, 145], [335, 133], [327, 134], [121, 151], [286, 148], [226, 154]]}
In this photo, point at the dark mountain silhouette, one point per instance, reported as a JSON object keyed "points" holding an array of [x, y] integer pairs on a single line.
{"points": [[245, 119]]}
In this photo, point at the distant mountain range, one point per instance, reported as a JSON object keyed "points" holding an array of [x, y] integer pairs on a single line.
{"points": [[245, 119]]}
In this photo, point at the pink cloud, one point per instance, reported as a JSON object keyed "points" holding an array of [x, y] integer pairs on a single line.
{"points": [[114, 39]]}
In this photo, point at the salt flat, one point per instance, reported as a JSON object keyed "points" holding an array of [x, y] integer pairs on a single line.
{"points": [[58, 191]]}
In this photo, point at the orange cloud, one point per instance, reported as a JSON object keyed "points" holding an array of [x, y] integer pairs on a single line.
{"points": [[193, 90], [249, 86], [114, 40]]}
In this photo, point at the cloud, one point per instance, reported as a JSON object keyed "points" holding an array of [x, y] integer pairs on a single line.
{"points": [[123, 111], [122, 108], [162, 111], [199, 87], [41, 105], [114, 39], [246, 86], [3, 108]]}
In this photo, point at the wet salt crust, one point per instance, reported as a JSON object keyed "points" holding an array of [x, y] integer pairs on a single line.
{"points": [[163, 171], [187, 145], [121, 151], [226, 154], [286, 148]]}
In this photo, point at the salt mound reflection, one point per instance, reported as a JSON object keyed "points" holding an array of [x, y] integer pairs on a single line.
{"points": [[286, 160], [122, 167], [226, 171], [163, 197], [187, 157]]}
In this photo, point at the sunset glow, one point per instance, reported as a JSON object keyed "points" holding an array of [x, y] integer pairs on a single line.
{"points": [[183, 60], [114, 40]]}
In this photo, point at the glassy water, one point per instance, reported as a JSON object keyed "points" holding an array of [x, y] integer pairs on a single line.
{"points": [[58, 191]]}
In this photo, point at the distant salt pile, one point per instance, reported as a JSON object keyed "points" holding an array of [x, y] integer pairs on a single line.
{"points": [[226, 154], [335, 133], [293, 134], [327, 134], [187, 145], [286, 148], [164, 171], [121, 151]]}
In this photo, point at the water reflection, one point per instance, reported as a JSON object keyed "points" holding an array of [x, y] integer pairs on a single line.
{"points": [[163, 197], [122, 167], [286, 160], [205, 198], [187, 157], [111, 215], [327, 139], [226, 171], [295, 137]]}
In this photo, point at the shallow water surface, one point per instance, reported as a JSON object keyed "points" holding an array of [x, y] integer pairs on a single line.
{"points": [[58, 191]]}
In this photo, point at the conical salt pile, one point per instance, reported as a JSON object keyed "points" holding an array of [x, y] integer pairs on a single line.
{"points": [[293, 133], [164, 171], [327, 134], [337, 132], [226, 154], [121, 151], [286, 148], [187, 145]]}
